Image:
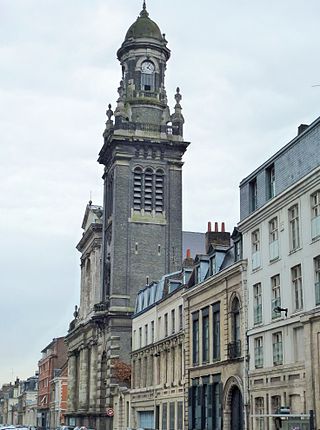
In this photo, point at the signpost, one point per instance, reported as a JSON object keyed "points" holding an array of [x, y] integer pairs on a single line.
{"points": [[110, 412]]}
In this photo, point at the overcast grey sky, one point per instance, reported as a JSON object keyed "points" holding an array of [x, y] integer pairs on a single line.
{"points": [[245, 70]]}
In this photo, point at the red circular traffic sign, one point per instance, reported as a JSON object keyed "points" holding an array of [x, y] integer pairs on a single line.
{"points": [[110, 412]]}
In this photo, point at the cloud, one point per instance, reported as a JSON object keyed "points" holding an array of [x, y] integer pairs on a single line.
{"points": [[245, 72]]}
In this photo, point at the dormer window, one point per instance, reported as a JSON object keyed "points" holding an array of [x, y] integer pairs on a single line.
{"points": [[147, 76]]}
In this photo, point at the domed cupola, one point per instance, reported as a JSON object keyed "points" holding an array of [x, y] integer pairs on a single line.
{"points": [[144, 27], [144, 32], [143, 56]]}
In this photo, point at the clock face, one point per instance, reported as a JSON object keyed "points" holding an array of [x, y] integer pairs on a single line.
{"points": [[147, 67]]}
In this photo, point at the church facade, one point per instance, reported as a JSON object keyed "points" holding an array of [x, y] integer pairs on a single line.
{"points": [[137, 236]]}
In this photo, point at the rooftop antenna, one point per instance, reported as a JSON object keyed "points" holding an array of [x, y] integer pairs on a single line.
{"points": [[90, 200]]}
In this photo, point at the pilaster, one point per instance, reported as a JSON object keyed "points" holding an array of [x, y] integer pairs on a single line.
{"points": [[72, 382], [83, 380]]}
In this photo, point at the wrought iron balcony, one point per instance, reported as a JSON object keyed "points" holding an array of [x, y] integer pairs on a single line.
{"points": [[234, 349]]}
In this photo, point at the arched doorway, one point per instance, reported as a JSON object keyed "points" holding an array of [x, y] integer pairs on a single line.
{"points": [[236, 406]]}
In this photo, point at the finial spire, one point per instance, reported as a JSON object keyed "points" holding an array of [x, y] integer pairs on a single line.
{"points": [[144, 10], [109, 113], [177, 117]]}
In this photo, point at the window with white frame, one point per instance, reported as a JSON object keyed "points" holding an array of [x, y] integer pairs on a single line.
{"points": [[273, 239], [258, 352], [277, 349], [180, 318], [259, 410], [294, 234], [275, 404], [317, 279], [315, 214], [296, 279], [166, 325], [298, 343], [276, 296], [255, 249], [271, 182], [140, 337], [257, 304], [253, 195], [146, 334], [173, 321]]}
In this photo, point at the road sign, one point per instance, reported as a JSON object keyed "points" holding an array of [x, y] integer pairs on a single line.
{"points": [[110, 412]]}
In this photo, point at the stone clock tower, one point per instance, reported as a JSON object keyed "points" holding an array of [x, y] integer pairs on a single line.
{"points": [[137, 236], [142, 152]]}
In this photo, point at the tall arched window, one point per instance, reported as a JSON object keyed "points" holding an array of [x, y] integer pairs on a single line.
{"points": [[235, 310]]}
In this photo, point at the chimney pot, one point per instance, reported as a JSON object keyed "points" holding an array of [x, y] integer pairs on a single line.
{"points": [[209, 225], [223, 228], [216, 228], [188, 253]]}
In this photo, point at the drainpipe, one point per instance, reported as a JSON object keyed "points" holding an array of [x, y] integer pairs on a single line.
{"points": [[246, 349]]}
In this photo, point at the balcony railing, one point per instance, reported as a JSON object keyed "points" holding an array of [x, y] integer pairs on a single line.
{"points": [[276, 303], [234, 349]]}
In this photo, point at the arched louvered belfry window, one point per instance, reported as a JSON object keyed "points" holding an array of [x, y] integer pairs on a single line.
{"points": [[137, 189], [159, 182], [148, 190]]}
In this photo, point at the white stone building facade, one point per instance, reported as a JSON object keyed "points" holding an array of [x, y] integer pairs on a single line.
{"points": [[157, 394], [281, 241]]}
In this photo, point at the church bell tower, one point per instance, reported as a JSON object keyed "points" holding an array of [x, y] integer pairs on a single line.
{"points": [[142, 155]]}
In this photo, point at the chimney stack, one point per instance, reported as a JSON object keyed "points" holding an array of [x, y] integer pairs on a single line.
{"points": [[302, 128], [188, 261], [217, 238]]}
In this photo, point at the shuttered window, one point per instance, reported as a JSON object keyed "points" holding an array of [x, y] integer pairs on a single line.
{"points": [[148, 190]]}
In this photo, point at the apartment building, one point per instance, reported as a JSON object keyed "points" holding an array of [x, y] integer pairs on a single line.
{"points": [[280, 223], [215, 344], [157, 394]]}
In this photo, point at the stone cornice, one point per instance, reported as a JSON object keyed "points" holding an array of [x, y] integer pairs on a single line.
{"points": [[93, 233], [162, 345]]}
